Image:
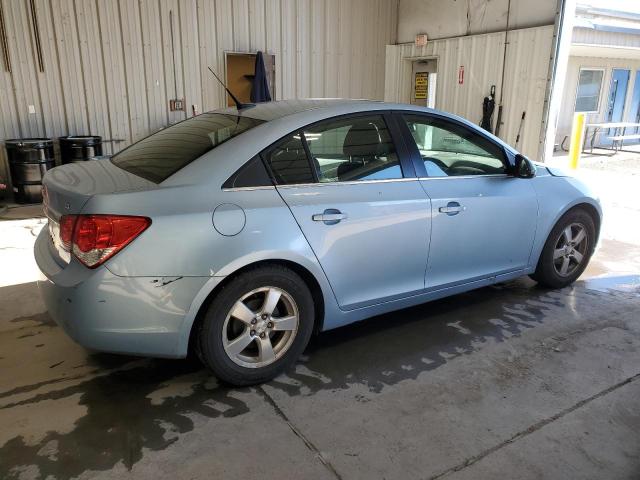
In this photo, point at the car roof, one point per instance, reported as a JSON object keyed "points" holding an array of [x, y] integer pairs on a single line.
{"points": [[285, 111], [269, 111], [280, 118], [309, 109]]}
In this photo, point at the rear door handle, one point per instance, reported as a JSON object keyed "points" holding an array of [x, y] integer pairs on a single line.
{"points": [[452, 208], [330, 216]]}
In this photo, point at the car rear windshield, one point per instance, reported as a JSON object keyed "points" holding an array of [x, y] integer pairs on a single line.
{"points": [[162, 154]]}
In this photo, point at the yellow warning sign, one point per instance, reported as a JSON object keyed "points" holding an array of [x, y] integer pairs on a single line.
{"points": [[421, 85]]}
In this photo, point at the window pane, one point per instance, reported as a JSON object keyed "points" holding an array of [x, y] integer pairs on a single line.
{"points": [[163, 153], [251, 174], [289, 162], [588, 95], [448, 149], [353, 149]]}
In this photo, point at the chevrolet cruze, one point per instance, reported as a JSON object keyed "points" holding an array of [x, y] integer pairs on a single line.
{"points": [[240, 233]]}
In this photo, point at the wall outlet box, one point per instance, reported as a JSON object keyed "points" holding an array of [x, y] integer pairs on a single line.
{"points": [[176, 105], [31, 109], [421, 40]]}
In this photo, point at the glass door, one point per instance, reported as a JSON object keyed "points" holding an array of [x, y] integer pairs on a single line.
{"points": [[617, 94], [634, 108]]}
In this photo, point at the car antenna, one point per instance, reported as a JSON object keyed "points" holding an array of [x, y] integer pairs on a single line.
{"points": [[239, 104]]}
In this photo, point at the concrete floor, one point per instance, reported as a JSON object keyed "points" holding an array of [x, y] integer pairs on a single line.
{"points": [[510, 381]]}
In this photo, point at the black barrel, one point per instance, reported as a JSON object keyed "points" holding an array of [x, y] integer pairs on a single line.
{"points": [[29, 159], [79, 148]]}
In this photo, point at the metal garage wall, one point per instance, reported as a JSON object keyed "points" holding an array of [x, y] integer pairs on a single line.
{"points": [[108, 64], [454, 18], [527, 70]]}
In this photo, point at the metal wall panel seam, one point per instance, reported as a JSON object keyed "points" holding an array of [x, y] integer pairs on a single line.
{"points": [[240, 22], [190, 61], [63, 111], [145, 79], [73, 80], [124, 66], [224, 31], [22, 73], [157, 58], [81, 66]]}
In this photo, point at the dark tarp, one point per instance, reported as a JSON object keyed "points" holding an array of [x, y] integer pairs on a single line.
{"points": [[260, 87], [488, 105]]}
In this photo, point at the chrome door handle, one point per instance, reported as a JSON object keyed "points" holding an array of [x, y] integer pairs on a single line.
{"points": [[452, 208], [330, 216]]}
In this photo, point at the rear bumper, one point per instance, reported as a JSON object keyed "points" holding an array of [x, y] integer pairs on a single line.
{"points": [[148, 316]]}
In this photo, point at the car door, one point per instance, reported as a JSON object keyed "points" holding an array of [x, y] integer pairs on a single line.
{"points": [[359, 204], [483, 219]]}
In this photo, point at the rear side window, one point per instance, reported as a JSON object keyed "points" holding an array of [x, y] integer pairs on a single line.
{"points": [[356, 148], [163, 153], [251, 174], [344, 149], [289, 163]]}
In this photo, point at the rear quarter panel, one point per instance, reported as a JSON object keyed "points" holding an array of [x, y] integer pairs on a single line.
{"points": [[182, 240]]}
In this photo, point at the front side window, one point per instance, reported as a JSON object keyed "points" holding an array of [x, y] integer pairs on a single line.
{"points": [[448, 149], [356, 148], [163, 153], [589, 86]]}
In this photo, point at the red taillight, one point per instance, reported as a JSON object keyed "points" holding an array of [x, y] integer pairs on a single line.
{"points": [[96, 238], [67, 222]]}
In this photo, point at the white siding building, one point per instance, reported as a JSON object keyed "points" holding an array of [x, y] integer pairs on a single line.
{"points": [[603, 74]]}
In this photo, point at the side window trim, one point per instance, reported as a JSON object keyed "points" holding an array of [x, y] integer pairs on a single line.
{"points": [[403, 150], [263, 157], [307, 151], [421, 171]]}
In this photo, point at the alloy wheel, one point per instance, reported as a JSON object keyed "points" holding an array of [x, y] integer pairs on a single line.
{"points": [[260, 327], [570, 249]]}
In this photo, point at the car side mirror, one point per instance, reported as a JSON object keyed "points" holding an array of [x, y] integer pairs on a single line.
{"points": [[524, 168]]}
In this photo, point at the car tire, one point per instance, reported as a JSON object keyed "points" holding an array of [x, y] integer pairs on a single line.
{"points": [[558, 265], [285, 324]]}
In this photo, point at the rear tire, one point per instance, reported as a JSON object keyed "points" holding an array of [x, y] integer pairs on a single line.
{"points": [[257, 326], [567, 251]]}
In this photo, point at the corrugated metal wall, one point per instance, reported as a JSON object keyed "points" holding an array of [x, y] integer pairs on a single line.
{"points": [[109, 67], [526, 73]]}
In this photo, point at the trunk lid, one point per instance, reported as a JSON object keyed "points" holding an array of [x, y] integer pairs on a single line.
{"points": [[67, 188]]}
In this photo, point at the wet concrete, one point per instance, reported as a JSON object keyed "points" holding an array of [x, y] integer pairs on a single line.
{"points": [[509, 381]]}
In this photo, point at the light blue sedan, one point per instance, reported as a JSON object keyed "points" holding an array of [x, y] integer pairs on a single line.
{"points": [[238, 234]]}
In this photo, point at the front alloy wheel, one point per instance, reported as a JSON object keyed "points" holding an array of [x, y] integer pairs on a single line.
{"points": [[570, 249], [567, 250]]}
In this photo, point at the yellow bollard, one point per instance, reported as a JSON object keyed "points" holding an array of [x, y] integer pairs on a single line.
{"points": [[577, 138]]}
